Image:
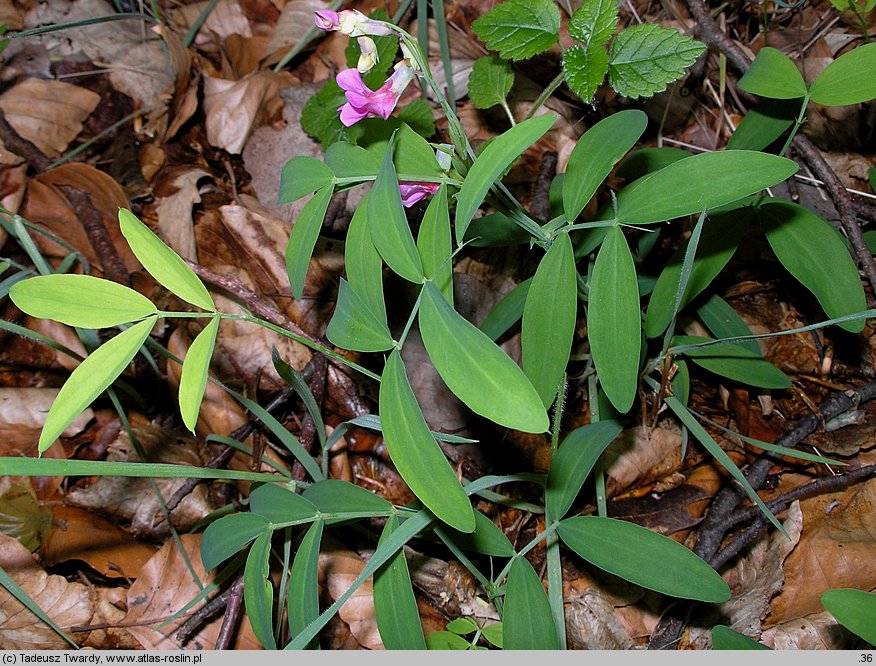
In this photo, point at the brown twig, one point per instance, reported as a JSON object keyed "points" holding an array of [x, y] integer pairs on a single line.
{"points": [[207, 611], [232, 615], [541, 203]]}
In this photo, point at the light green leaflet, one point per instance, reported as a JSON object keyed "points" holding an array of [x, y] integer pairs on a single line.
{"points": [[415, 453], [549, 319], [491, 164], [595, 155], [91, 378], [258, 592], [527, 621], [302, 600], [353, 326], [162, 263], [303, 238], [735, 362], [774, 75], [193, 381], [227, 535], [362, 261], [389, 224], [724, 638], [847, 80], [280, 505], [302, 176], [434, 244], [395, 606], [334, 496], [815, 253], [349, 161], [643, 557], [721, 319], [80, 300], [477, 371], [614, 320], [855, 610]]}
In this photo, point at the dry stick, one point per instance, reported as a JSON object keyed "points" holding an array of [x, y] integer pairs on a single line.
{"points": [[541, 203], [845, 205], [211, 608], [232, 615]]}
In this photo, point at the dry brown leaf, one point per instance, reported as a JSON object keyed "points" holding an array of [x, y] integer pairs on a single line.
{"points": [[10, 16], [813, 632], [639, 455], [294, 23], [226, 18], [12, 188], [339, 568], [62, 334], [23, 412], [592, 624], [174, 209], [48, 113], [184, 93]]}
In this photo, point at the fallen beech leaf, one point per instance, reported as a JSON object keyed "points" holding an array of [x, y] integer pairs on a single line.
{"points": [[174, 209], [339, 568], [23, 412], [12, 189], [225, 19], [184, 90], [63, 334], [820, 631], [592, 624], [48, 113], [294, 23], [10, 15], [638, 455]]}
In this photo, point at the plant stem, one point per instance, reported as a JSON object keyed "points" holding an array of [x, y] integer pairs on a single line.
{"points": [[546, 93], [798, 123]]}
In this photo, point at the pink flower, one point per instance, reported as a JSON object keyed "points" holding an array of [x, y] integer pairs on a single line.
{"points": [[327, 20], [362, 102], [350, 22], [411, 193]]}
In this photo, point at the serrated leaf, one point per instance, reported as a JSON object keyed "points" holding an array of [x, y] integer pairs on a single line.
{"points": [[528, 623], [724, 638], [648, 57], [415, 453], [434, 243], [258, 592], [91, 378], [193, 380], [80, 300], [847, 80], [614, 321], [584, 68], [302, 176], [773, 74], [594, 22], [734, 362], [302, 598], [490, 81], [303, 238], [631, 552], [476, 370], [227, 535], [280, 505], [162, 263], [353, 325], [854, 609], [319, 116], [519, 29]]}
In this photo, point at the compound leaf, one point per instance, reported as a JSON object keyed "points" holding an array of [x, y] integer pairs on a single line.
{"points": [[519, 29]]}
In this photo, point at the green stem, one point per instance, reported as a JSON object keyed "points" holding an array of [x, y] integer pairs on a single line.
{"points": [[552, 542], [550, 529], [798, 123], [410, 321], [508, 112], [545, 94]]}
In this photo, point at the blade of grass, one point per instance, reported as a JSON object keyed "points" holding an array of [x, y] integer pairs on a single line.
{"points": [[22, 596]]}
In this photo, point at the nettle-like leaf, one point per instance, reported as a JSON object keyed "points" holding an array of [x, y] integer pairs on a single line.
{"points": [[594, 22], [584, 68], [319, 117], [490, 81], [646, 58], [519, 29]]}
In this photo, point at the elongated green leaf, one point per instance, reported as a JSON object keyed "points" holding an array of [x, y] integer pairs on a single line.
{"points": [[392, 237], [490, 81], [258, 592], [349, 161], [162, 263], [724, 638], [644, 161], [720, 237], [91, 378], [435, 245], [854, 609], [193, 381], [507, 311], [594, 22], [294, 379], [395, 606], [774, 75], [491, 164], [734, 362], [549, 319], [633, 552], [584, 69], [707, 180], [477, 371], [721, 319], [527, 622], [486, 538], [334, 496], [302, 600], [495, 230], [595, 155], [493, 634], [80, 300], [848, 79], [227, 535], [519, 29], [764, 124], [354, 326], [303, 238], [362, 262], [614, 321], [445, 640], [302, 176], [280, 505], [574, 461], [815, 253], [415, 453]]}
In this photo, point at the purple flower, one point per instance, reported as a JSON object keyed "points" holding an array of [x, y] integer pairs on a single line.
{"points": [[362, 102], [411, 193], [327, 20], [350, 22]]}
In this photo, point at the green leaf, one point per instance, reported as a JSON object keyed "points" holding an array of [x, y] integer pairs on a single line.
{"points": [[435, 245], [302, 176], [462, 626], [193, 381], [854, 609], [614, 320], [681, 382], [734, 362], [415, 453], [493, 634], [645, 161], [303, 238], [527, 620], [349, 161], [584, 68], [492, 162], [846, 80], [334, 496], [495, 230], [773, 75], [413, 156], [648, 57], [353, 326], [302, 599], [320, 118], [490, 81], [594, 22], [486, 538], [595, 154], [227, 535], [519, 29], [549, 318], [162, 263], [506, 312], [724, 638], [363, 263], [720, 237], [815, 253], [392, 237], [91, 378], [764, 124], [80, 300], [707, 180], [418, 115], [280, 505], [258, 592], [444, 640], [398, 619], [721, 319], [574, 461], [631, 552], [477, 371]]}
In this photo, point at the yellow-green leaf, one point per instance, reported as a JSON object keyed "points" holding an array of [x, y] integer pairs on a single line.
{"points": [[193, 380]]}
